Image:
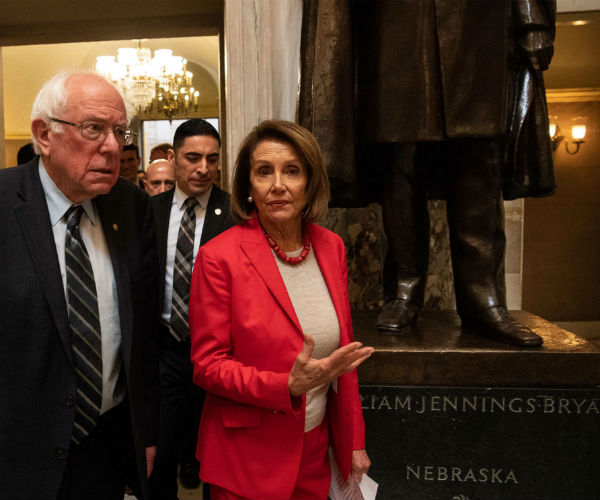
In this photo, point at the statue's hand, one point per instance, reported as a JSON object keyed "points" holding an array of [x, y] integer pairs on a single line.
{"points": [[538, 48]]}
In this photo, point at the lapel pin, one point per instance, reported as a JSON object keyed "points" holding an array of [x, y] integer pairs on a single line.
{"points": [[115, 227], [217, 211]]}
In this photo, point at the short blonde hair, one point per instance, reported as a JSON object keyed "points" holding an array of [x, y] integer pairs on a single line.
{"points": [[308, 150]]}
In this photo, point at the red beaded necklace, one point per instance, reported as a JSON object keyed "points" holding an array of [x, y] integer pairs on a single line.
{"points": [[286, 258]]}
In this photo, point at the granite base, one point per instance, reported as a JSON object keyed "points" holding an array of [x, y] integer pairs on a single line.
{"points": [[455, 415]]}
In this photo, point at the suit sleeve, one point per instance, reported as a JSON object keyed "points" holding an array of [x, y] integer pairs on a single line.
{"points": [[358, 424], [150, 343], [534, 15], [215, 367]]}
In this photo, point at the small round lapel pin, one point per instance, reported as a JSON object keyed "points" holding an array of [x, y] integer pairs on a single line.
{"points": [[217, 211], [115, 227]]}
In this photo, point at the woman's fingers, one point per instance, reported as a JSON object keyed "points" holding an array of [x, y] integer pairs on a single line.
{"points": [[307, 349], [303, 373], [344, 360], [353, 346], [308, 373], [342, 354], [355, 364]]}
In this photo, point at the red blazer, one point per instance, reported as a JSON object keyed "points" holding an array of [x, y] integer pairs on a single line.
{"points": [[245, 337]]}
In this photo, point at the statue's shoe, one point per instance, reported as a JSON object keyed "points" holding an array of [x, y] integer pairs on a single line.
{"points": [[397, 316], [497, 324]]}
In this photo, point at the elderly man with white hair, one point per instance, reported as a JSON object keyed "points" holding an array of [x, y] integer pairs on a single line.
{"points": [[78, 373]]}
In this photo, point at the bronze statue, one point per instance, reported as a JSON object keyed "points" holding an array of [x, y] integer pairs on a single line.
{"points": [[446, 99]]}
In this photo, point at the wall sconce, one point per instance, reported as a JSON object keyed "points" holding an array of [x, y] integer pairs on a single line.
{"points": [[578, 125], [554, 131], [578, 129]]}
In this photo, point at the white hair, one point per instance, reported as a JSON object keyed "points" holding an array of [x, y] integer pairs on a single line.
{"points": [[53, 97]]}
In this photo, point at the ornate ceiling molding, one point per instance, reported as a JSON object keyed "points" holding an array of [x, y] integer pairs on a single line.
{"points": [[573, 95]]}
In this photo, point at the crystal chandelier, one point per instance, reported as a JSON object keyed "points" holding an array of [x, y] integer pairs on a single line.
{"points": [[159, 84]]}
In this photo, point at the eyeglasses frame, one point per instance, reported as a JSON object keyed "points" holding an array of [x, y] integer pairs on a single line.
{"points": [[127, 138]]}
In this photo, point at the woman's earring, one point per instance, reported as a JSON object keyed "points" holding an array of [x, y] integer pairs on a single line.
{"points": [[250, 199]]}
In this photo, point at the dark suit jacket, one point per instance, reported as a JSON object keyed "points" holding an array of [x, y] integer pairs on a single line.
{"points": [[37, 380], [214, 224]]}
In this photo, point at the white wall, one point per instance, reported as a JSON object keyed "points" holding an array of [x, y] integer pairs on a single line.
{"points": [[577, 5]]}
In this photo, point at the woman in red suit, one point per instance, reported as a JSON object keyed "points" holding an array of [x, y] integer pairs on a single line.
{"points": [[272, 334]]}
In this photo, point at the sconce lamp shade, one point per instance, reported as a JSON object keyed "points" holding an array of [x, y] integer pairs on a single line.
{"points": [[554, 131], [578, 126], [578, 130]]}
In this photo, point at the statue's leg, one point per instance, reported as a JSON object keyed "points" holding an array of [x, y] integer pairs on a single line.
{"points": [[476, 223], [477, 241], [406, 224]]}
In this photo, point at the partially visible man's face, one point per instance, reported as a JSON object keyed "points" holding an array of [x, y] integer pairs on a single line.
{"points": [[159, 177], [81, 168], [196, 163], [130, 162]]}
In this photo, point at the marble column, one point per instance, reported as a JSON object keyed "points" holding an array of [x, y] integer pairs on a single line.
{"points": [[262, 61]]}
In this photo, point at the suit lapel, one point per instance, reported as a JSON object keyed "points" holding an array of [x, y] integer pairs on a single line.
{"points": [[216, 213], [327, 259], [35, 224], [256, 248], [113, 227], [162, 215]]}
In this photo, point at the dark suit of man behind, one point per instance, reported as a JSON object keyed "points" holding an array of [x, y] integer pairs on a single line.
{"points": [[195, 160], [38, 383]]}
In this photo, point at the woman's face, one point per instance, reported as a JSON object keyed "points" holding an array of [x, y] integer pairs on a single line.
{"points": [[278, 180]]}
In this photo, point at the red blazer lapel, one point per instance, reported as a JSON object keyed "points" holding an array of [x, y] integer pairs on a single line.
{"points": [[256, 248]]}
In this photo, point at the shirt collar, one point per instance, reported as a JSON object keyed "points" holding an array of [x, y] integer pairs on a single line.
{"points": [[179, 198], [56, 200]]}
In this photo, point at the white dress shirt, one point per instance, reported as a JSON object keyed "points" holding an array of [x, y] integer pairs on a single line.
{"points": [[90, 228], [177, 211]]}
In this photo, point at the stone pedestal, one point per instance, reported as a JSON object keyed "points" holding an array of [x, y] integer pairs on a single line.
{"points": [[454, 415]]}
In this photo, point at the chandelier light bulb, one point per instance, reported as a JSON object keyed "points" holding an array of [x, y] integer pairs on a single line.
{"points": [[127, 56], [105, 64], [163, 53]]}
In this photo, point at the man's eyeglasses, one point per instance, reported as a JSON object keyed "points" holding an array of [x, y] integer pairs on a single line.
{"points": [[94, 131]]}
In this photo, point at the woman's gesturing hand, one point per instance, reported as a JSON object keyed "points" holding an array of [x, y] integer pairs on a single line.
{"points": [[308, 372]]}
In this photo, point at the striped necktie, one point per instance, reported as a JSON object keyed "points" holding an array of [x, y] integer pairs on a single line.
{"points": [[84, 323], [182, 272]]}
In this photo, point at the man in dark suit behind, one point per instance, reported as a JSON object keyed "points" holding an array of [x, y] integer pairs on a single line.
{"points": [[76, 422], [195, 159]]}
